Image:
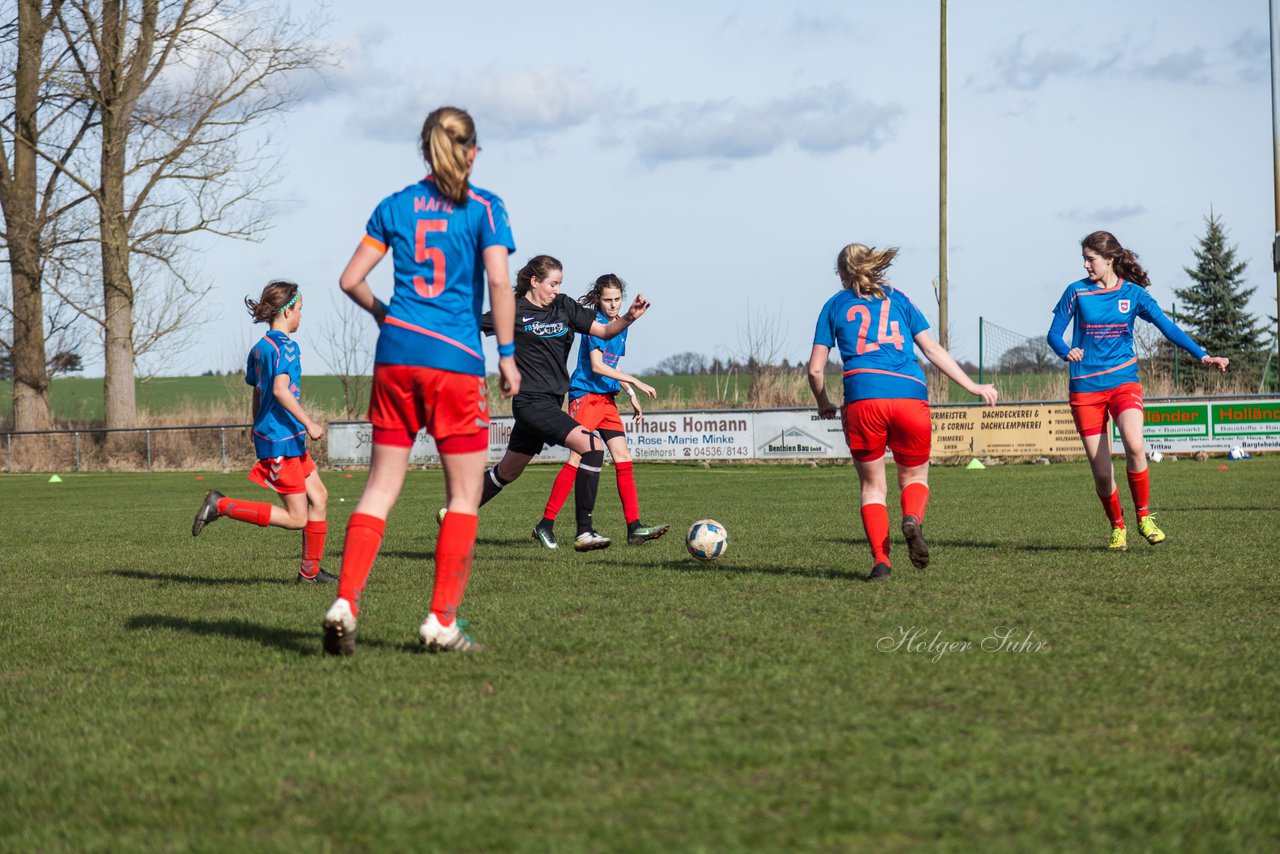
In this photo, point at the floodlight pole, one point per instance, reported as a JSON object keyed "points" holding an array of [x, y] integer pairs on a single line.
{"points": [[943, 329], [1275, 148]]}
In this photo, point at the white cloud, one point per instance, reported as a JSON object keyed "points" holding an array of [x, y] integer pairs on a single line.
{"points": [[826, 119], [1111, 214], [519, 104], [1188, 66]]}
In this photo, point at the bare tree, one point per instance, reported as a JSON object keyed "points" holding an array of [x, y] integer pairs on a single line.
{"points": [[682, 364], [176, 85], [42, 127], [347, 350], [761, 341]]}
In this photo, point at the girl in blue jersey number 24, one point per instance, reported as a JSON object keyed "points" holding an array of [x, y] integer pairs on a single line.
{"points": [[886, 398], [1103, 307]]}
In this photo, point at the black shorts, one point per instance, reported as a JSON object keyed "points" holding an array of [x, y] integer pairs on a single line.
{"points": [[540, 421]]}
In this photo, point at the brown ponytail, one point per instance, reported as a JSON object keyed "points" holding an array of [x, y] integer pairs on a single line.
{"points": [[276, 297], [1123, 261]]}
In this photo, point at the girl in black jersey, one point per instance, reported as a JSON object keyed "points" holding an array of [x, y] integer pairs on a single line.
{"points": [[546, 323]]}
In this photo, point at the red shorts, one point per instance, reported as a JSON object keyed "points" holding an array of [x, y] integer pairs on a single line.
{"points": [[901, 424], [1091, 408], [453, 407], [596, 412], [286, 475]]}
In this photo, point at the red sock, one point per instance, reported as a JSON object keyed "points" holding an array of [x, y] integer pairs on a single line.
{"points": [[1140, 488], [915, 497], [313, 546], [454, 552], [1111, 506], [258, 512], [627, 492], [875, 521], [364, 538], [560, 491]]}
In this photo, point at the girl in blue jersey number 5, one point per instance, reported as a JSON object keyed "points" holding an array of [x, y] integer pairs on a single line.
{"points": [[446, 238], [1103, 307], [886, 398]]}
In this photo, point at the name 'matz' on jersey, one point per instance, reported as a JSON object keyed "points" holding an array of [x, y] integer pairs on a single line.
{"points": [[875, 338], [1103, 320], [276, 433], [438, 250], [544, 337], [585, 380]]}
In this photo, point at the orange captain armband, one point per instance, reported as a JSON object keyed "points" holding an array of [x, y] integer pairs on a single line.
{"points": [[375, 244]]}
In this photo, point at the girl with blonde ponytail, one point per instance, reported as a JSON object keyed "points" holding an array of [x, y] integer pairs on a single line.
{"points": [[886, 399], [448, 240], [1103, 308]]}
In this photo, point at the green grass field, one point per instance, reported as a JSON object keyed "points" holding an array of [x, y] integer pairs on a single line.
{"points": [[164, 693]]}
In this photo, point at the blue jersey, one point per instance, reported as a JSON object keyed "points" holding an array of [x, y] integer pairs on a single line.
{"points": [[875, 341], [276, 433], [585, 380], [1102, 327], [434, 317]]}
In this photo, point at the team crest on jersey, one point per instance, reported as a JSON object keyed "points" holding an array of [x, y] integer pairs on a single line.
{"points": [[1123, 305]]}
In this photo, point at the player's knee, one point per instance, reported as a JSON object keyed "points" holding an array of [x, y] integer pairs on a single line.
{"points": [[295, 523], [592, 459]]}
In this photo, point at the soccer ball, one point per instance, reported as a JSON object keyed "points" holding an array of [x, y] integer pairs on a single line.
{"points": [[707, 540]]}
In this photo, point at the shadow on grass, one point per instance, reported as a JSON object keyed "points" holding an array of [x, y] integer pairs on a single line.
{"points": [[289, 640], [200, 580], [689, 565], [1099, 546]]}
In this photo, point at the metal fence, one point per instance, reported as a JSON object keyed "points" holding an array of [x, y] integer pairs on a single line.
{"points": [[205, 447]]}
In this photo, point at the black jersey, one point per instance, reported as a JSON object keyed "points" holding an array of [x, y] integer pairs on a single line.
{"points": [[544, 337]]}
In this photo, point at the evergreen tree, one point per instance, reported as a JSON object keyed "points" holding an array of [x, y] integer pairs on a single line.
{"points": [[1214, 309]]}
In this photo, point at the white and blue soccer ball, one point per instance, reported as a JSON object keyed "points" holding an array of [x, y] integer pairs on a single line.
{"points": [[1238, 453], [707, 540]]}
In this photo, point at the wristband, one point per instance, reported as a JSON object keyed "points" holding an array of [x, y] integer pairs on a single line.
{"points": [[508, 349], [631, 393]]}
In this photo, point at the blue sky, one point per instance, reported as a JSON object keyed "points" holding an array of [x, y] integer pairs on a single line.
{"points": [[717, 155]]}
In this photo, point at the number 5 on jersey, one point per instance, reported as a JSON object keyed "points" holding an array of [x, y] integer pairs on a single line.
{"points": [[423, 253], [888, 332]]}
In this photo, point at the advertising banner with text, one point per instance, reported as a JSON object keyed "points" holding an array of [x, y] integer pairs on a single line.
{"points": [[1007, 430]]}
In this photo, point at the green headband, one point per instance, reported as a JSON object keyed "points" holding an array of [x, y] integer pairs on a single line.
{"points": [[290, 303]]}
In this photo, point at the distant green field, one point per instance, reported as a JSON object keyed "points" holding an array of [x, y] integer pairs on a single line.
{"points": [[1029, 691], [79, 400]]}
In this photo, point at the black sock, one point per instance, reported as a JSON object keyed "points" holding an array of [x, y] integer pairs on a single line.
{"points": [[493, 484], [585, 486]]}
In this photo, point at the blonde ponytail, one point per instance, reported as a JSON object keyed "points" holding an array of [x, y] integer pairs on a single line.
{"points": [[861, 269], [448, 135]]}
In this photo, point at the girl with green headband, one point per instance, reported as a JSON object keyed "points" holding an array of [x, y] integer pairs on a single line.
{"points": [[281, 428]]}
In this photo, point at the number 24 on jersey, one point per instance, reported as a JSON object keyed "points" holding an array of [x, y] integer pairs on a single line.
{"points": [[888, 332]]}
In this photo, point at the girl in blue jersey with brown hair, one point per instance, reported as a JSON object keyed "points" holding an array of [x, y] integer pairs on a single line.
{"points": [[886, 398], [593, 390], [446, 238], [1102, 308], [281, 428]]}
